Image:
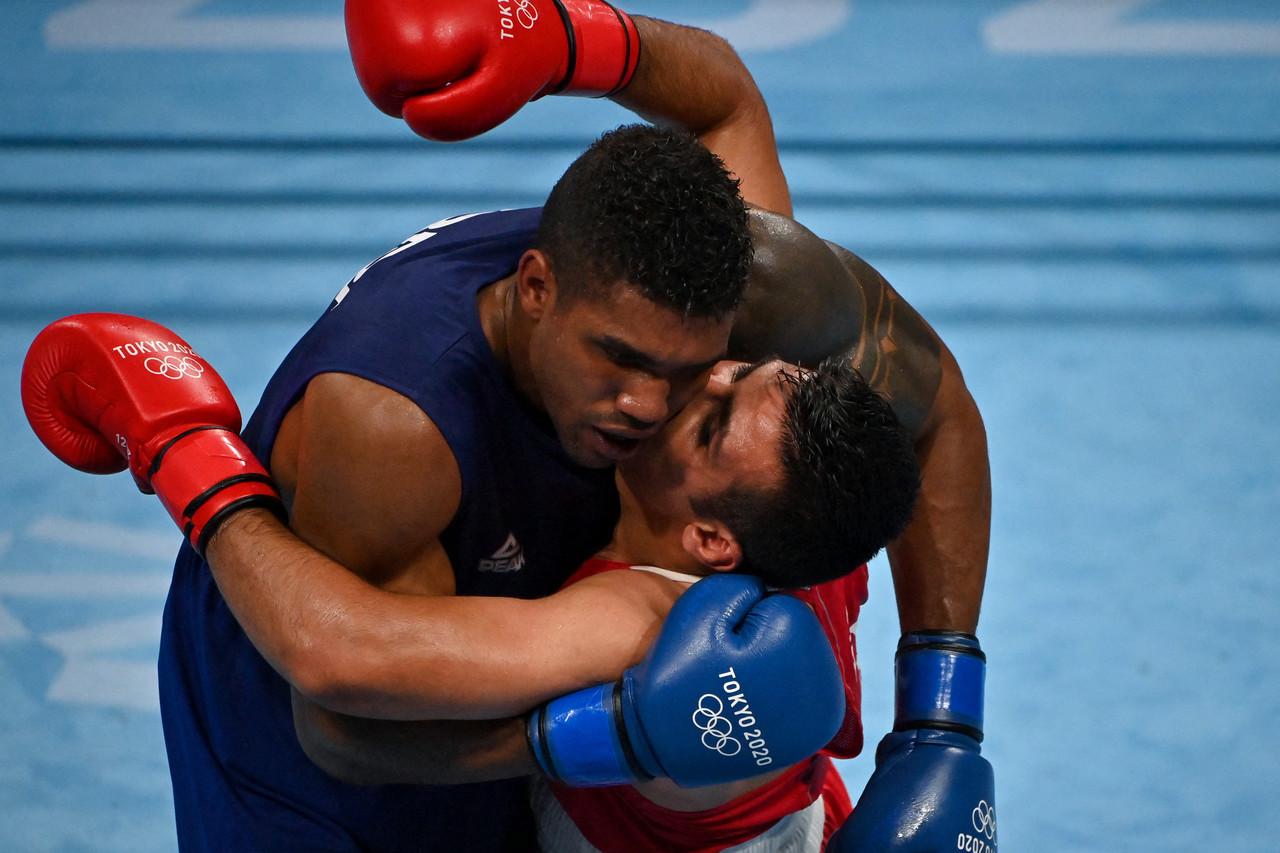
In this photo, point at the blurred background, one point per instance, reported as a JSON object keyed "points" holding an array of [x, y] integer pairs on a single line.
{"points": [[1083, 197]]}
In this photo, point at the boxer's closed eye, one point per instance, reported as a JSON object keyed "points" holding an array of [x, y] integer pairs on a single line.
{"points": [[704, 429]]}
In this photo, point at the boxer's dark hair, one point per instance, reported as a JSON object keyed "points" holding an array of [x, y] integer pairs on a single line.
{"points": [[849, 483], [652, 207]]}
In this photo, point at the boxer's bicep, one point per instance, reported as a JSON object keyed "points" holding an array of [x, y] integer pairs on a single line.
{"points": [[809, 299], [369, 484]]}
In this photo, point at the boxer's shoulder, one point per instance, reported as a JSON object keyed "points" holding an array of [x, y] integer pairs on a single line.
{"points": [[803, 302], [367, 470]]}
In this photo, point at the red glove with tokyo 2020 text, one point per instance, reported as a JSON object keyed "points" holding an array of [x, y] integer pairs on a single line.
{"points": [[107, 391], [454, 69]]}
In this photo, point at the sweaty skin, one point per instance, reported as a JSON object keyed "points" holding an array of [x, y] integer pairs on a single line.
{"points": [[809, 298], [335, 605]]}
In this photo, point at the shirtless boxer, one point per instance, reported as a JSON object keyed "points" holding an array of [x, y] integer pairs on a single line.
{"points": [[359, 456]]}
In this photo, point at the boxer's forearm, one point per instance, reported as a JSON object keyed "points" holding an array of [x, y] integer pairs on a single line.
{"points": [[357, 649], [939, 563], [383, 752], [693, 79]]}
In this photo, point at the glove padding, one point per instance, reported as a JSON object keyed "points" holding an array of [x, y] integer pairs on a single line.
{"points": [[105, 392], [454, 69], [738, 683], [932, 790]]}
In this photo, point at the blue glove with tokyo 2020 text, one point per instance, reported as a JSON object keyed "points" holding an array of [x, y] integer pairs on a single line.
{"points": [[932, 789], [739, 682]]}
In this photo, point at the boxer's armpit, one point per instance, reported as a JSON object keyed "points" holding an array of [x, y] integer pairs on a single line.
{"points": [[382, 752]]}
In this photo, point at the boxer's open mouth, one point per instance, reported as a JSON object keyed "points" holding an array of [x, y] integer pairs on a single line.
{"points": [[613, 446]]}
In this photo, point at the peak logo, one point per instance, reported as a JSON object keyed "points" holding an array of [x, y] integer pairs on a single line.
{"points": [[508, 558]]}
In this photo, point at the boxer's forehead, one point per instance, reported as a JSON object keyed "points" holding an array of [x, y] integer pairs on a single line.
{"points": [[742, 427]]}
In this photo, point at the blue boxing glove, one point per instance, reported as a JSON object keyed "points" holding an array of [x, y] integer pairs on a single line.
{"points": [[932, 789], [738, 683]]}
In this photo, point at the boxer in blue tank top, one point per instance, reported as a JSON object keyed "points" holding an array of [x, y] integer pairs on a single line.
{"points": [[504, 484], [408, 323]]}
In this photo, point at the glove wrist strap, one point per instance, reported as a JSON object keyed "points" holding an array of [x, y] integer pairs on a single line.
{"points": [[604, 49], [203, 476], [940, 679], [579, 739]]}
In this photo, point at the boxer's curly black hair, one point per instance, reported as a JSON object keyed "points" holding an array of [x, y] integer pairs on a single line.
{"points": [[849, 484], [653, 208]]}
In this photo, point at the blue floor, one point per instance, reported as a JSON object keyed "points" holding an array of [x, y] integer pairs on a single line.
{"points": [[1084, 199]]}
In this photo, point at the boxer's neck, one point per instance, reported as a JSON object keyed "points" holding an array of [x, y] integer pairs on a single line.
{"points": [[507, 338], [645, 538], [493, 304]]}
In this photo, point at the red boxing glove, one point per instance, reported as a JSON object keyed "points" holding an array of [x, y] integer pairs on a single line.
{"points": [[106, 391], [456, 68]]}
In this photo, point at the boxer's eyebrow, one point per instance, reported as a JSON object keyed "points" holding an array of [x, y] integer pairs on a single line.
{"points": [[742, 371], [625, 354], [725, 417]]}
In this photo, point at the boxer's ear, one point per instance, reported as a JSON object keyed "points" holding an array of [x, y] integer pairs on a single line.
{"points": [[535, 284], [712, 544]]}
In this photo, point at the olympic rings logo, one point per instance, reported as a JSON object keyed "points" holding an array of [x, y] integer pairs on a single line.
{"points": [[526, 13], [717, 730], [984, 820], [172, 367]]}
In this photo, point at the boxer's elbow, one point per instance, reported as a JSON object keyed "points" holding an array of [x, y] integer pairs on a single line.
{"points": [[360, 751], [337, 683], [358, 680], [320, 682], [331, 761], [325, 671], [330, 658], [324, 742]]}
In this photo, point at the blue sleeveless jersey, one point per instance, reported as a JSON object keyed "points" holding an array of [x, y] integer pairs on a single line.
{"points": [[527, 519]]}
